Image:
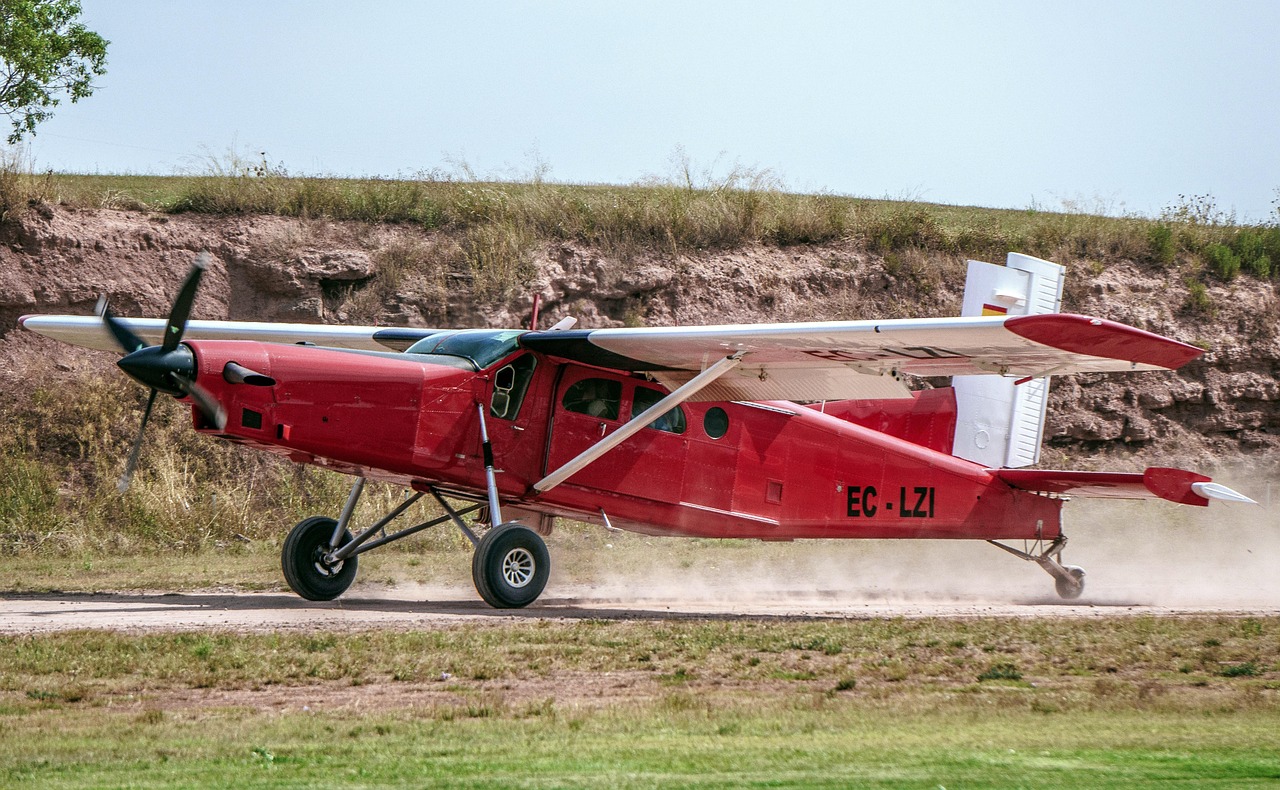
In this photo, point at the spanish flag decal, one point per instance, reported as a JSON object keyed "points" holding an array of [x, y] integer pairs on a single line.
{"points": [[991, 309]]}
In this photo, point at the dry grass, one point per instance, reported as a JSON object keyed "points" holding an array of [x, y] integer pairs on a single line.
{"points": [[496, 222], [66, 435], [1121, 663]]}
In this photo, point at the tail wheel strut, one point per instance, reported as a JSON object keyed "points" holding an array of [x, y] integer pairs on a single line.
{"points": [[1068, 580]]}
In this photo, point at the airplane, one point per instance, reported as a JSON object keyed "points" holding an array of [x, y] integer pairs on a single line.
{"points": [[774, 432]]}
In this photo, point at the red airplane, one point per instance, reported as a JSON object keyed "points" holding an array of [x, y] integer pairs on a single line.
{"points": [[765, 431]]}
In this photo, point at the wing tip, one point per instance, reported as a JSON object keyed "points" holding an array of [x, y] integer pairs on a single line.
{"points": [[1082, 334]]}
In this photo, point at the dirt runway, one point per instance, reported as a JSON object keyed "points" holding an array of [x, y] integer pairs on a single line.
{"points": [[141, 612]]}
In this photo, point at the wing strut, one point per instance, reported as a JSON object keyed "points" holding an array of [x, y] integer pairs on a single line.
{"points": [[681, 394]]}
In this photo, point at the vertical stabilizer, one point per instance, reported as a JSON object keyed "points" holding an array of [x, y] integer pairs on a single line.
{"points": [[1000, 423]]}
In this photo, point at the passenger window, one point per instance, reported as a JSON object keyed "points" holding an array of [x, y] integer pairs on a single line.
{"points": [[715, 422], [671, 422], [596, 397], [509, 386]]}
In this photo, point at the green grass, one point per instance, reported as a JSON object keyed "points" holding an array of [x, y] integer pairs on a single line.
{"points": [[681, 703], [837, 744]]}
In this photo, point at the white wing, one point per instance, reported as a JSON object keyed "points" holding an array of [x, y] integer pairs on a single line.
{"points": [[797, 361], [866, 359], [88, 331]]}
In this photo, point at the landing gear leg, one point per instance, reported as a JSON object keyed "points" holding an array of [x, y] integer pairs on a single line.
{"points": [[1068, 580], [511, 563], [320, 555]]}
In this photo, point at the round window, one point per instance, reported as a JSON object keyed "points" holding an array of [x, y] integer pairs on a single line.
{"points": [[716, 422]]}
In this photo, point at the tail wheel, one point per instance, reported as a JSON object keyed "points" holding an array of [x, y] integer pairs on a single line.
{"points": [[1071, 586], [302, 559], [510, 566]]}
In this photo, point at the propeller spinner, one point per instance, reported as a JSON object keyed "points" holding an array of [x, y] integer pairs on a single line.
{"points": [[169, 367]]}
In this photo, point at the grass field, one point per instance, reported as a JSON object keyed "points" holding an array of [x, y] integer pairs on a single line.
{"points": [[986, 702], [842, 745]]}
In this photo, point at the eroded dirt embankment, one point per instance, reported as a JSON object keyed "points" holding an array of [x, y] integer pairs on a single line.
{"points": [[1222, 408]]}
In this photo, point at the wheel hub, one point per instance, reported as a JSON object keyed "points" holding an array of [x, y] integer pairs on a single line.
{"points": [[518, 567], [323, 566]]}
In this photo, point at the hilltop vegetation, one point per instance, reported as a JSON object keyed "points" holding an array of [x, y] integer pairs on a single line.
{"points": [[499, 223]]}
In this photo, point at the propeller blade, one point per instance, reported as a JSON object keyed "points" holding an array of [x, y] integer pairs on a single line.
{"points": [[207, 404], [132, 463], [182, 304], [127, 340]]}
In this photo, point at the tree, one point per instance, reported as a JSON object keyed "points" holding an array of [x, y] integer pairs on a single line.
{"points": [[45, 53]]}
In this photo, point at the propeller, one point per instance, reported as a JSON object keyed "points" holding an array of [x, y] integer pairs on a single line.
{"points": [[169, 367]]}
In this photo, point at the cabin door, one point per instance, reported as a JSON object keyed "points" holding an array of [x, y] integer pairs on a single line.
{"points": [[591, 404]]}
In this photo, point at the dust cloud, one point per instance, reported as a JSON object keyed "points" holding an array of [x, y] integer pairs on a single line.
{"points": [[1136, 554]]}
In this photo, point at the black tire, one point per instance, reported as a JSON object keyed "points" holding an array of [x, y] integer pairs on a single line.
{"points": [[1072, 588], [510, 566], [302, 559]]}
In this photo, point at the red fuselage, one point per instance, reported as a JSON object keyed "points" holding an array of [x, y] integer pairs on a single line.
{"points": [[773, 471]]}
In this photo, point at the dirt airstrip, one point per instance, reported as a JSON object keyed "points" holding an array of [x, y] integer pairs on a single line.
{"points": [[146, 612]]}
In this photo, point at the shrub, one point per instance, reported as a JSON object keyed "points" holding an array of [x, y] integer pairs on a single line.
{"points": [[1160, 240], [1251, 246], [1246, 670], [1198, 300], [1001, 671], [1223, 261]]}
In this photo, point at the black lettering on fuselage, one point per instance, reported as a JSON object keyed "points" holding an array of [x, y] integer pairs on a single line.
{"points": [[913, 502], [862, 501], [917, 504]]}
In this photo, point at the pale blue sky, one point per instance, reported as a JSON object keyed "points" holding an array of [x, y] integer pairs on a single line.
{"points": [[1114, 105]]}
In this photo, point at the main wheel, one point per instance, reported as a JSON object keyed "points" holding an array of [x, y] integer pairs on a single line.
{"points": [[1070, 588], [302, 559], [510, 566]]}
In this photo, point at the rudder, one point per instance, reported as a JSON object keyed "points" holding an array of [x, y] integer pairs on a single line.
{"points": [[1000, 423]]}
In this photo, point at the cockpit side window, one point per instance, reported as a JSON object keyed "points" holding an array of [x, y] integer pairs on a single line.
{"points": [[596, 397], [510, 383], [671, 422]]}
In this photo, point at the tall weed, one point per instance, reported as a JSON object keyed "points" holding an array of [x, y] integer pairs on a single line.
{"points": [[20, 188]]}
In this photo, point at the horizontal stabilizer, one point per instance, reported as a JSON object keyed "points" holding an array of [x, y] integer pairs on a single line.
{"points": [[1221, 493], [1175, 485]]}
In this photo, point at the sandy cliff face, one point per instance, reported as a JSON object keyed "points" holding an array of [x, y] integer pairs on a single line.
{"points": [[1221, 407]]}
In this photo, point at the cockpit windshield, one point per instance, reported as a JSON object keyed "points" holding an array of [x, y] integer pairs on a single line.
{"points": [[482, 346]]}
